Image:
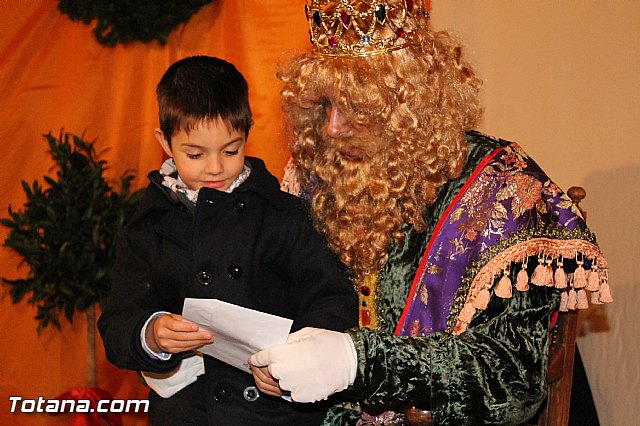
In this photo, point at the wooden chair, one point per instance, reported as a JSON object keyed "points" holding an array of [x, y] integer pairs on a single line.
{"points": [[555, 409]]}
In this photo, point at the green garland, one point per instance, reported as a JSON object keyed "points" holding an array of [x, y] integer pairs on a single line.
{"points": [[66, 232], [124, 21]]}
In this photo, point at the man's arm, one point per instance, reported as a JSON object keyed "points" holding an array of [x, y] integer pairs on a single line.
{"points": [[495, 372]]}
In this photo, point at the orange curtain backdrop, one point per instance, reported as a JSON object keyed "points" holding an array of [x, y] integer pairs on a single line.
{"points": [[54, 75]]}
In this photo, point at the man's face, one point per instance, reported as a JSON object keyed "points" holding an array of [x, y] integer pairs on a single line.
{"points": [[346, 135], [357, 185]]}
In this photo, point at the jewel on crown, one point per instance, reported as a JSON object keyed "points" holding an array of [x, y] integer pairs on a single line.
{"points": [[364, 28]]}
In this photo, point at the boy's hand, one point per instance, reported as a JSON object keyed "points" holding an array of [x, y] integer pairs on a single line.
{"points": [[172, 334], [265, 381]]}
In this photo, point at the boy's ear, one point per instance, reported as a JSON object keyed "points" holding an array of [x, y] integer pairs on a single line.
{"points": [[159, 134]]}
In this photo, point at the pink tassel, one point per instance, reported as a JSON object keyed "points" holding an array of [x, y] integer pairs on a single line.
{"points": [[573, 299], [560, 276], [468, 311], [605, 293], [579, 276], [593, 283], [582, 302], [564, 299], [522, 280], [595, 298], [503, 289], [538, 277], [482, 299], [548, 274]]}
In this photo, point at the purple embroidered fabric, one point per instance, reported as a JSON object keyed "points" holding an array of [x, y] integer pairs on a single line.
{"points": [[507, 201]]}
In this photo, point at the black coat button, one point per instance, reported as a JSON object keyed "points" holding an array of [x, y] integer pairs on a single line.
{"points": [[234, 271], [182, 207], [204, 277], [239, 206], [219, 394], [250, 393]]}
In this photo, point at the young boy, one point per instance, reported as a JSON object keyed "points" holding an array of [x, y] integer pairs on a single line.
{"points": [[214, 224]]}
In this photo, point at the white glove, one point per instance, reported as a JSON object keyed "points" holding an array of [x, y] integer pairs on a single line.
{"points": [[313, 364], [167, 384]]}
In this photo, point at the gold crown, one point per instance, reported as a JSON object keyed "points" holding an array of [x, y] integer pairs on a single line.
{"points": [[364, 28]]}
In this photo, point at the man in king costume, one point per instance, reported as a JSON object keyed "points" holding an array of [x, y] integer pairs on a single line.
{"points": [[459, 245]]}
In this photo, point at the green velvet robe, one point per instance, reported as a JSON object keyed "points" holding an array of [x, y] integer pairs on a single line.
{"points": [[494, 373]]}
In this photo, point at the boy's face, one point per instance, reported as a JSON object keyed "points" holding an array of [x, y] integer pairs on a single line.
{"points": [[210, 155]]}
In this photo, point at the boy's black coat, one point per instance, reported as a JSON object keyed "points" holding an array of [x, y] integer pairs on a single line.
{"points": [[255, 247]]}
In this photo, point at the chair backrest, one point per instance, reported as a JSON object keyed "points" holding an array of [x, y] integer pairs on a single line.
{"points": [[555, 409]]}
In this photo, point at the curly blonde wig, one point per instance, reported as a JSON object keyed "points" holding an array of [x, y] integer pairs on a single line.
{"points": [[416, 105]]}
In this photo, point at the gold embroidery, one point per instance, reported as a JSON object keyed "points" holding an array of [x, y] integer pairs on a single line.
{"points": [[424, 294], [421, 290]]}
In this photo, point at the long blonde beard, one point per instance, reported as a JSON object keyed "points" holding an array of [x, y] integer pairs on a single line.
{"points": [[361, 205]]}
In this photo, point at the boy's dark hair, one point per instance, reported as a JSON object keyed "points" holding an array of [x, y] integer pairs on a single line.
{"points": [[202, 88]]}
